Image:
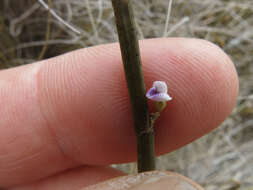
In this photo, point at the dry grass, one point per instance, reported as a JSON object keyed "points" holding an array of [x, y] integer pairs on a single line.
{"points": [[221, 160]]}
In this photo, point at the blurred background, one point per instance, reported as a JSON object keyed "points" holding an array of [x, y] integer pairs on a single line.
{"points": [[221, 160]]}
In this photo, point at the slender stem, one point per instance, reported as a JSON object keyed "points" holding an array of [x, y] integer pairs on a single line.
{"points": [[44, 49], [135, 81]]}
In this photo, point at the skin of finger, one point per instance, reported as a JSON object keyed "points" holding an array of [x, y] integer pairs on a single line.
{"points": [[160, 180], [74, 109], [73, 179], [87, 178]]}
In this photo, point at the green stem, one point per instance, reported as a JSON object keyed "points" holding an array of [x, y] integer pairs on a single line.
{"points": [[135, 81]]}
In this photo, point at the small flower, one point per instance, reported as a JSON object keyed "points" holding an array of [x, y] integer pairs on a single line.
{"points": [[158, 92]]}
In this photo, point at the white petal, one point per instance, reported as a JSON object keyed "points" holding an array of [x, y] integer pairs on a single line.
{"points": [[162, 97], [160, 86]]}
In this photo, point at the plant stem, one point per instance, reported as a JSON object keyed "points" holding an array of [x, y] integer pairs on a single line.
{"points": [[135, 81], [45, 47]]}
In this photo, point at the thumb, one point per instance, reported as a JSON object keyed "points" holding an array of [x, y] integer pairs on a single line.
{"points": [[159, 180]]}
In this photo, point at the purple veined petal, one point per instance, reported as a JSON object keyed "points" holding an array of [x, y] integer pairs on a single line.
{"points": [[151, 92], [160, 97], [158, 92], [160, 86]]}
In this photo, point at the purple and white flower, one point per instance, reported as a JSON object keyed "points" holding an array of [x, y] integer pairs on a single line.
{"points": [[158, 92]]}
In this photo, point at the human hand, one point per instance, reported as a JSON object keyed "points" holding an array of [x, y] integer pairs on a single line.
{"points": [[64, 120]]}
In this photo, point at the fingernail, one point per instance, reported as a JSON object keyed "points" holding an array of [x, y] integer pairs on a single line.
{"points": [[164, 182], [155, 180]]}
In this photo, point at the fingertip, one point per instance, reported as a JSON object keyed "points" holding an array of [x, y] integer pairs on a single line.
{"points": [[71, 179], [203, 83]]}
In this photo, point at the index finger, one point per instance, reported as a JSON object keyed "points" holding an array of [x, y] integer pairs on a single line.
{"points": [[74, 110]]}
